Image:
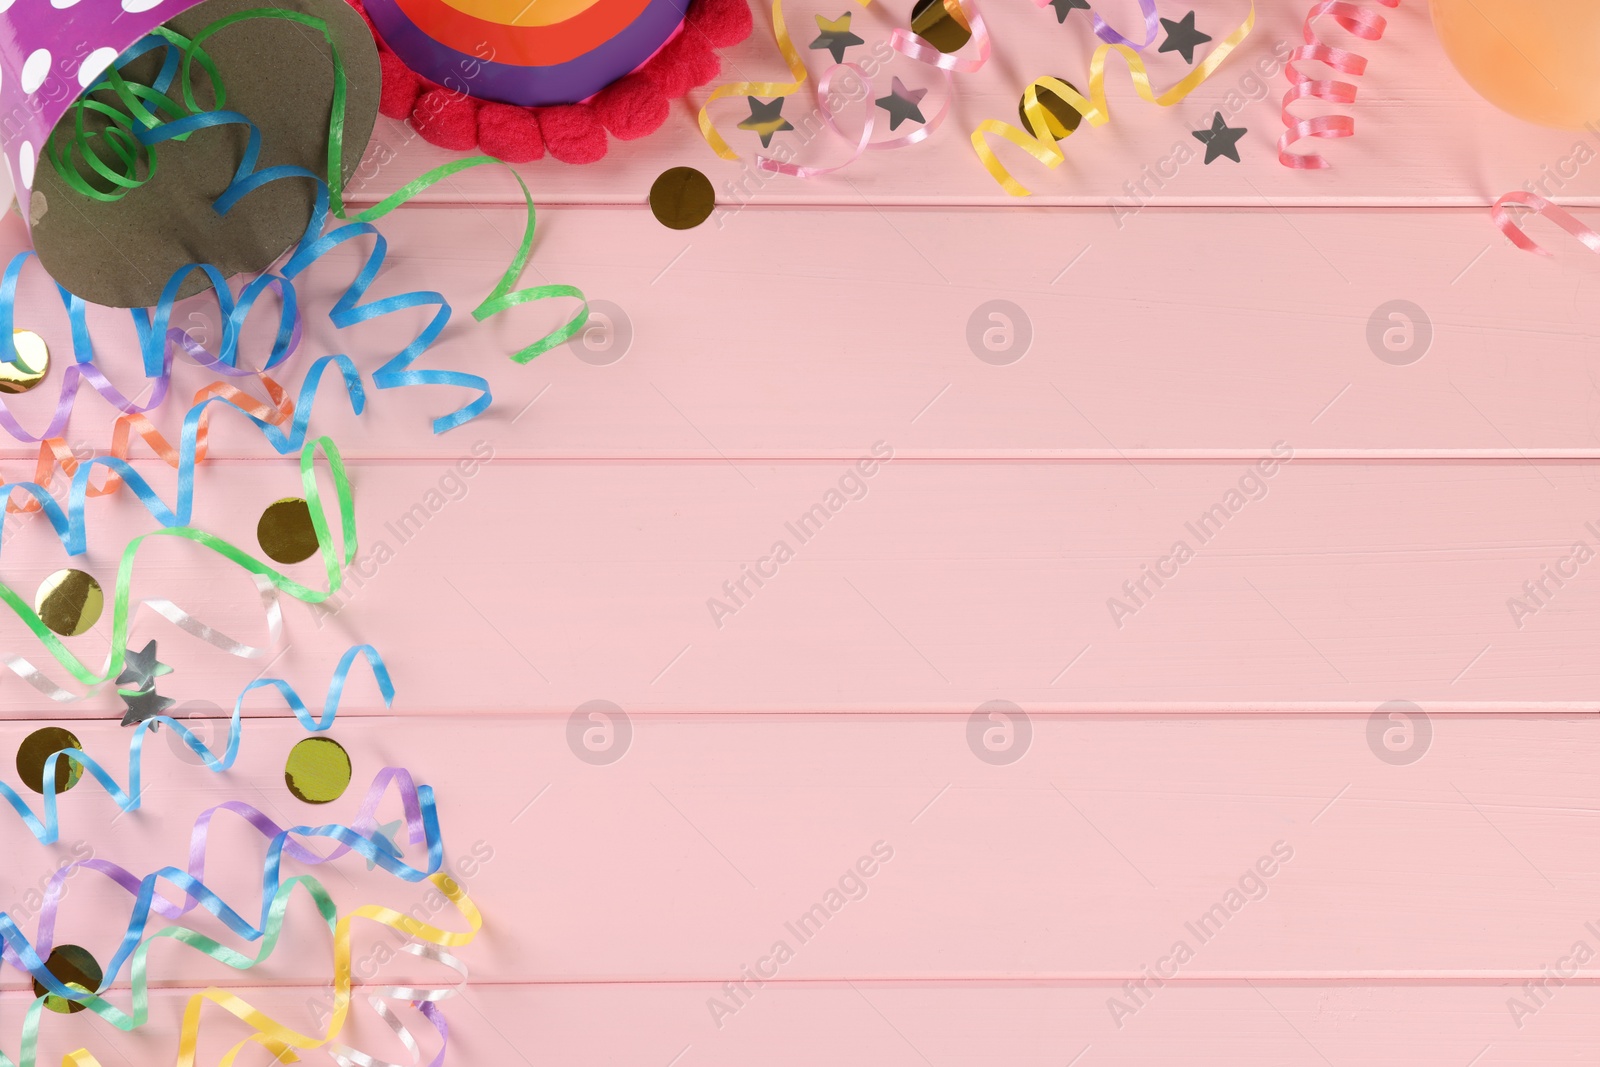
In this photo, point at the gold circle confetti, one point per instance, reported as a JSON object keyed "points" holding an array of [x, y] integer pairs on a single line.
{"points": [[30, 366], [933, 23], [38, 747], [69, 602], [285, 532], [682, 198], [1061, 118], [318, 770], [71, 966]]}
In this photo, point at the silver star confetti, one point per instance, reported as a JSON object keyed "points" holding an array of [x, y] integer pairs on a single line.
{"points": [[141, 669], [143, 706]]}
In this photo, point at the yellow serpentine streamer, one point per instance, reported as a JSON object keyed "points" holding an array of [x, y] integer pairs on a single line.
{"points": [[797, 71], [1037, 140]]}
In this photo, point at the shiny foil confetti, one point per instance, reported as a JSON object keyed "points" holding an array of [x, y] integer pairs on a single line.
{"points": [[682, 198], [285, 531], [30, 366], [318, 770], [1061, 117], [33, 761], [945, 29], [73, 966], [69, 602]]}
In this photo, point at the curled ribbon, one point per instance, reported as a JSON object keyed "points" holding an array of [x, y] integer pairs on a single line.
{"points": [[1507, 223], [121, 601], [1038, 141], [397, 372], [273, 1035], [47, 830], [1362, 23]]}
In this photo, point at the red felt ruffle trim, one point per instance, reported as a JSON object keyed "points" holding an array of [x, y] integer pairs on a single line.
{"points": [[628, 108]]}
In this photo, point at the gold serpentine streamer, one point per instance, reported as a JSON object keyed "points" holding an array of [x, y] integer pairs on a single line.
{"points": [[277, 1038], [1038, 142]]}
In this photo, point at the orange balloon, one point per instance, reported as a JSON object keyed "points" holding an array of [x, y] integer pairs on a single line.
{"points": [[1537, 59]]}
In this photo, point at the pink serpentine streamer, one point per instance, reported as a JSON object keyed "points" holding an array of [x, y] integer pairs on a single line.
{"points": [[912, 47], [865, 143], [1359, 21], [1558, 215]]}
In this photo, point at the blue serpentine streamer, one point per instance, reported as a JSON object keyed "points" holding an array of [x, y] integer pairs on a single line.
{"points": [[348, 310]]}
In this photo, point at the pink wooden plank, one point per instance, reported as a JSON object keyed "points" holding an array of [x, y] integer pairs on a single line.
{"points": [[1133, 351], [1087, 859], [1422, 136], [912, 1026], [943, 586], [1343, 586]]}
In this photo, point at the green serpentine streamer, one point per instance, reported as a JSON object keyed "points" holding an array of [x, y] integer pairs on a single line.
{"points": [[119, 135], [122, 597]]}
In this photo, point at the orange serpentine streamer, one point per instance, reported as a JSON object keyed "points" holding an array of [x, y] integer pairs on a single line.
{"points": [[55, 454]]}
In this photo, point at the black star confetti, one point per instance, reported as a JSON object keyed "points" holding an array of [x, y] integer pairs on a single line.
{"points": [[1221, 139], [1067, 7], [141, 668], [766, 119], [145, 705], [835, 36], [901, 104], [1182, 37]]}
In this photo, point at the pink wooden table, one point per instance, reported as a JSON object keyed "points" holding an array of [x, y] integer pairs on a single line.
{"points": [[1205, 765]]}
